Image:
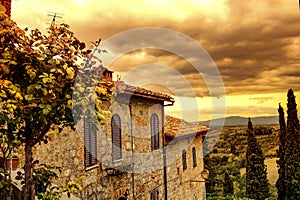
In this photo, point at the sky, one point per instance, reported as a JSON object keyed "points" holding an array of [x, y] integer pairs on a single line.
{"points": [[249, 47]]}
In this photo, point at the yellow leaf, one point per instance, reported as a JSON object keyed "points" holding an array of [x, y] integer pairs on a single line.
{"points": [[70, 102], [18, 96], [57, 61], [45, 92], [65, 66], [100, 90], [3, 94], [6, 83], [81, 89], [31, 73], [70, 73], [45, 80]]}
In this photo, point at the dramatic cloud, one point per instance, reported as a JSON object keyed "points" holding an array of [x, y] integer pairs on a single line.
{"points": [[255, 44]]}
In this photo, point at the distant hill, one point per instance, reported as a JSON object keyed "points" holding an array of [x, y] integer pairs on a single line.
{"points": [[240, 121]]}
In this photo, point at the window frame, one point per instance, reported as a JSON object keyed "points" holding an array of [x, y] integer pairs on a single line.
{"points": [[184, 161], [116, 137], [194, 154], [154, 194], [154, 131]]}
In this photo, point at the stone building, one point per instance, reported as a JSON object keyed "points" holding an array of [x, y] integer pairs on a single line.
{"points": [[185, 159], [139, 154]]}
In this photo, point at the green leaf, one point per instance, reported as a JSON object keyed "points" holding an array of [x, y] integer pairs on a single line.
{"points": [[48, 107], [4, 61], [30, 88], [29, 97], [38, 86], [13, 62], [45, 111]]}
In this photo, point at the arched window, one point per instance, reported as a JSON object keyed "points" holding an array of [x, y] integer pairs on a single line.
{"points": [[154, 132], [116, 137], [194, 157], [184, 164], [90, 141], [154, 194]]}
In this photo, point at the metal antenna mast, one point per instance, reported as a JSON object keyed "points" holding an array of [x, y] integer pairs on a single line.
{"points": [[54, 17]]}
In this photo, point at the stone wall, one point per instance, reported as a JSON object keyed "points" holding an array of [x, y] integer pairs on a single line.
{"points": [[140, 170], [67, 151], [181, 183]]}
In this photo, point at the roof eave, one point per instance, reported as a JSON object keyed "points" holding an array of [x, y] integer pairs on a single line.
{"points": [[186, 136]]}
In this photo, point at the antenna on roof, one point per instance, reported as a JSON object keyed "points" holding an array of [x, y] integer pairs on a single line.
{"points": [[54, 16]]}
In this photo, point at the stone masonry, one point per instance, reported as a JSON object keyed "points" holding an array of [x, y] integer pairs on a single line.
{"points": [[140, 172]]}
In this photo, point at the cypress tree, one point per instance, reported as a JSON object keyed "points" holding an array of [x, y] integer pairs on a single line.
{"points": [[290, 154], [256, 171], [227, 185], [281, 162]]}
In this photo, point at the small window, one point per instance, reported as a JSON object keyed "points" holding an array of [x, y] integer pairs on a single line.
{"points": [[90, 141], [184, 164], [154, 132], [194, 157], [116, 137], [154, 194]]}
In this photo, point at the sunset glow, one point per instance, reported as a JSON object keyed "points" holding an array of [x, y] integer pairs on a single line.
{"points": [[255, 44]]}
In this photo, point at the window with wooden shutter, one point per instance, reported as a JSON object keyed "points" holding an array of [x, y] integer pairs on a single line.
{"points": [[194, 157], [154, 132], [154, 194], [90, 141], [184, 164], [116, 137]]}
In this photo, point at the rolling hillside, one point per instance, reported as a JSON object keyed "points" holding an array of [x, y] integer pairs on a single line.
{"points": [[242, 121]]}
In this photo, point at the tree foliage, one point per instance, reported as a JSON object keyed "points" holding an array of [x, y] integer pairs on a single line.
{"points": [[281, 162], [228, 185], [256, 170], [37, 82], [288, 183]]}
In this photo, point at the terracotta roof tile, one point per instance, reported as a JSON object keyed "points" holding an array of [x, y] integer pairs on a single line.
{"points": [[121, 87], [175, 127]]}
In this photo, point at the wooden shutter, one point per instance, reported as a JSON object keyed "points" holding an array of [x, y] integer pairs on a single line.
{"points": [[184, 164], [154, 132], [116, 137], [86, 142], [93, 144], [194, 157], [90, 141]]}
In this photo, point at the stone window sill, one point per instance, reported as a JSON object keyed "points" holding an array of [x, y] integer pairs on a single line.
{"points": [[117, 161], [91, 167]]}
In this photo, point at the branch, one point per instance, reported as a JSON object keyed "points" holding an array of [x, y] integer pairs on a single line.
{"points": [[42, 134]]}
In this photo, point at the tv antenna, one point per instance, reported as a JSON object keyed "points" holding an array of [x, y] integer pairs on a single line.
{"points": [[54, 16]]}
